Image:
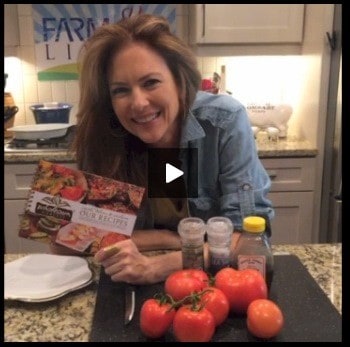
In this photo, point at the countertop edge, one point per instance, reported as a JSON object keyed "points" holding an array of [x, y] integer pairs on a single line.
{"points": [[64, 156]]}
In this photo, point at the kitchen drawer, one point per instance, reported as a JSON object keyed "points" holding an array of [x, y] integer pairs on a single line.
{"points": [[19, 177], [291, 174]]}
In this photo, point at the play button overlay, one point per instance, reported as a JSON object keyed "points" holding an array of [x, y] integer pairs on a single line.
{"points": [[171, 173]]}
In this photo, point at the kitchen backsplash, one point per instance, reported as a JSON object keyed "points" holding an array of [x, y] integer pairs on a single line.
{"points": [[261, 80]]}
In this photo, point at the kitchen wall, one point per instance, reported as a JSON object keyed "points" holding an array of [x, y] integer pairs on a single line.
{"points": [[292, 79]]}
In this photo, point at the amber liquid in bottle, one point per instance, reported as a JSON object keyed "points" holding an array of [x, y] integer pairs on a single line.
{"points": [[253, 250]]}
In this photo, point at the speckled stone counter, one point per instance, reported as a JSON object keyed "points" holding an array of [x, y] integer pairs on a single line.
{"points": [[266, 149], [30, 157], [285, 148], [69, 318]]}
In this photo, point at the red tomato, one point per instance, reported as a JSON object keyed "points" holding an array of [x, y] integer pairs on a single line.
{"points": [[264, 318], [184, 282], [156, 318], [193, 325], [216, 302], [72, 192], [241, 287]]}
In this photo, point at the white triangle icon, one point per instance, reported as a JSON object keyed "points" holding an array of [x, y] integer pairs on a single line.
{"points": [[172, 173]]}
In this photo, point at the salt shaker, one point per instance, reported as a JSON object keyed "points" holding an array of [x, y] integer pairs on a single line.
{"points": [[191, 231], [219, 231]]}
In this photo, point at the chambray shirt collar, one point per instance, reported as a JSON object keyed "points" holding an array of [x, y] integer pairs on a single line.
{"points": [[191, 130]]}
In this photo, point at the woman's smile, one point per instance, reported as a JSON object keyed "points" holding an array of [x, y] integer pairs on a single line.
{"points": [[146, 119]]}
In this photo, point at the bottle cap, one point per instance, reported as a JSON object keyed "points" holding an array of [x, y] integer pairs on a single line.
{"points": [[254, 224]]}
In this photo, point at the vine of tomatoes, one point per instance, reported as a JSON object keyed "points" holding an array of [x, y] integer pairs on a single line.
{"points": [[193, 305]]}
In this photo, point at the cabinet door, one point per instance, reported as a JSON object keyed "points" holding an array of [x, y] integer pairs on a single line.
{"points": [[14, 243], [293, 217], [291, 174], [247, 23]]}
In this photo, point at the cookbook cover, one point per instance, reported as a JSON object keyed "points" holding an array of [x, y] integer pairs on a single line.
{"points": [[79, 210]]}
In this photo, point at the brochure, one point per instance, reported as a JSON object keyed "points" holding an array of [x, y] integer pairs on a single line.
{"points": [[79, 210]]}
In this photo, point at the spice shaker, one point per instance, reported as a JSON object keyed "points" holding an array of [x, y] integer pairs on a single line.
{"points": [[219, 231], [191, 231]]}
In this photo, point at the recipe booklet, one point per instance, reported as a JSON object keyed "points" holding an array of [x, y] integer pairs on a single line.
{"points": [[79, 210]]}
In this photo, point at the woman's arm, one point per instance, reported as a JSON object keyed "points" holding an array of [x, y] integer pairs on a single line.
{"points": [[145, 240], [156, 239], [244, 182], [124, 263]]}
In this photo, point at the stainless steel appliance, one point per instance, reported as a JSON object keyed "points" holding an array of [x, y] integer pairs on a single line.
{"points": [[331, 200]]}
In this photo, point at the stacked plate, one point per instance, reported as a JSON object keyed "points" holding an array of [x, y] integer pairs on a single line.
{"points": [[45, 277]]}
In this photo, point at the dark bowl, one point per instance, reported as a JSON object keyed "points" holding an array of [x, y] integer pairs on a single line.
{"points": [[51, 113]]}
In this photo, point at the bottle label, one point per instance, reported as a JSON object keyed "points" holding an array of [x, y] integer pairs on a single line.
{"points": [[257, 262]]}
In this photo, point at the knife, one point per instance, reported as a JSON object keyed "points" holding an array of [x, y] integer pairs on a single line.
{"points": [[129, 303]]}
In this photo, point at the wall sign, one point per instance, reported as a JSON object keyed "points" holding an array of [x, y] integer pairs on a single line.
{"points": [[60, 30]]}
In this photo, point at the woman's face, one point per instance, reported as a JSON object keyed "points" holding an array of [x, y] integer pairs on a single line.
{"points": [[144, 95]]}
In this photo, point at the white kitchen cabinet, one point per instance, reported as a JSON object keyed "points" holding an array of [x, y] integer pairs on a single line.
{"points": [[18, 178], [246, 23], [292, 195]]}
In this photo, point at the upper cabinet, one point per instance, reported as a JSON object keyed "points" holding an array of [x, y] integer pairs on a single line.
{"points": [[246, 23]]}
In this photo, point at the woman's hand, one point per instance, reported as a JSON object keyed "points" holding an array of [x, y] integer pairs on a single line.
{"points": [[124, 263]]}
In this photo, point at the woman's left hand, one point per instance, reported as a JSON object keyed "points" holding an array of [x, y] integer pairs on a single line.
{"points": [[124, 263]]}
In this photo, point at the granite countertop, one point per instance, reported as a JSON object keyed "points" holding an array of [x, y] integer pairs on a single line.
{"points": [[266, 149], [69, 318], [290, 147], [34, 156]]}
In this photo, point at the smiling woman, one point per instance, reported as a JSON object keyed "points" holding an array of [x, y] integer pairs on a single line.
{"points": [[139, 92]]}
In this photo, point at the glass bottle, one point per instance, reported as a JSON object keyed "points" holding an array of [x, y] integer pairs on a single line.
{"points": [[219, 231], [253, 249], [191, 231]]}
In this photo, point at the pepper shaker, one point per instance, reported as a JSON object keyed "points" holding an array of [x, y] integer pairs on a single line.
{"points": [[219, 231], [191, 231]]}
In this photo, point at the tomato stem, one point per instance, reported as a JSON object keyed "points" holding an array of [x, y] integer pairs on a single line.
{"points": [[194, 300]]}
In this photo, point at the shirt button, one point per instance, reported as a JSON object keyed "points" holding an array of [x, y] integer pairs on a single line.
{"points": [[246, 186]]}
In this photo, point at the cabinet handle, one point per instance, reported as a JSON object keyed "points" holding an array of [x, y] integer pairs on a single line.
{"points": [[332, 39], [272, 174], [203, 20]]}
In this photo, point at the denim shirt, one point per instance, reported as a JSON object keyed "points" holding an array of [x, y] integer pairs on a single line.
{"points": [[231, 179]]}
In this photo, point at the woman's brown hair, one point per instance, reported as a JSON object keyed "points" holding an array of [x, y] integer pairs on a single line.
{"points": [[102, 145]]}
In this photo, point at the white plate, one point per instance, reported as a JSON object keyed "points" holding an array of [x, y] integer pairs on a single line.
{"points": [[39, 131], [45, 277]]}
